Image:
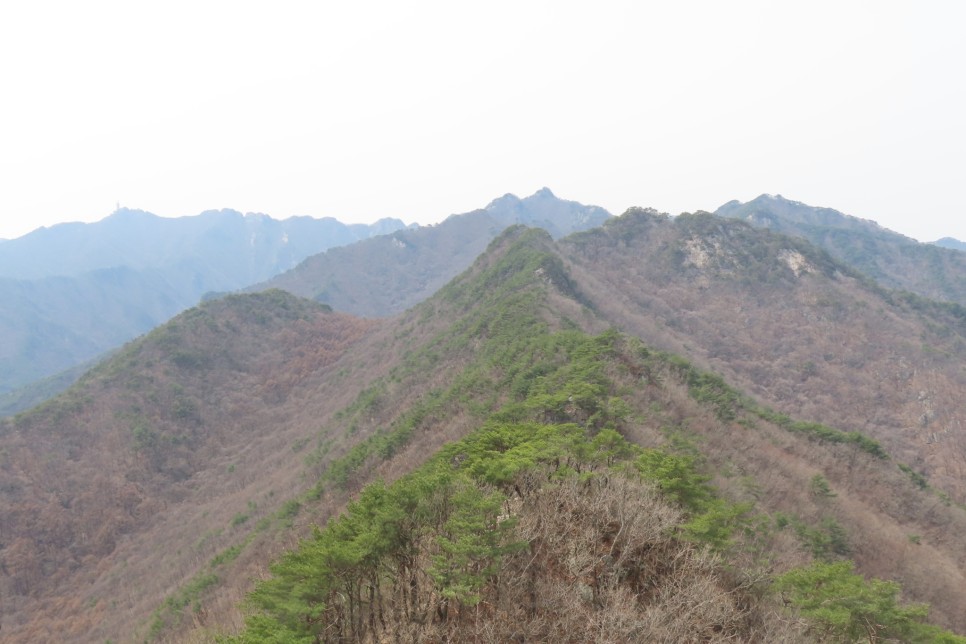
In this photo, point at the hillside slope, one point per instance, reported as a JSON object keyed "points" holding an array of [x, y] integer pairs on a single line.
{"points": [[790, 325], [99, 482], [935, 271], [51, 324], [75, 291], [516, 319], [387, 275], [144, 502]]}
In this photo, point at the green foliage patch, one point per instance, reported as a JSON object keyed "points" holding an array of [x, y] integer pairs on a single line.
{"points": [[549, 411], [171, 610], [729, 405], [454, 508], [841, 605], [449, 524]]}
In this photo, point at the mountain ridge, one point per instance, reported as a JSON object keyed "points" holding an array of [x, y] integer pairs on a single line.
{"points": [[894, 260], [218, 440], [386, 275], [75, 291], [788, 323], [141, 240], [232, 399], [531, 255]]}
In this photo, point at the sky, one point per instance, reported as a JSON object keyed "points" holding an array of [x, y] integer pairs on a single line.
{"points": [[417, 110]]}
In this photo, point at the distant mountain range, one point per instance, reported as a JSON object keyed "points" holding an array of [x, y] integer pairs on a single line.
{"points": [[224, 248], [73, 291], [388, 274], [789, 413]]}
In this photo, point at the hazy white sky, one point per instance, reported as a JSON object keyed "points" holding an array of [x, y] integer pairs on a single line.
{"points": [[421, 109]]}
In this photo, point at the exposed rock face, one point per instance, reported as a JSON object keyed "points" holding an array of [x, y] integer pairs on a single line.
{"points": [[789, 324], [937, 271]]}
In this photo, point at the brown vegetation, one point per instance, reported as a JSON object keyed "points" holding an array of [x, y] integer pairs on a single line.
{"points": [[133, 490], [118, 478], [784, 322], [892, 259]]}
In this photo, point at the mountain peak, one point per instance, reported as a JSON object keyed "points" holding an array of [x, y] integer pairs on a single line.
{"points": [[511, 200], [945, 242], [766, 198], [543, 193], [543, 209], [507, 200]]}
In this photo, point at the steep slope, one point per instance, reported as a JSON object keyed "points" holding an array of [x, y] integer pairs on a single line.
{"points": [[219, 438], [51, 324], [387, 275], [816, 491], [27, 396], [74, 291], [193, 445], [790, 325], [97, 483], [893, 260]]}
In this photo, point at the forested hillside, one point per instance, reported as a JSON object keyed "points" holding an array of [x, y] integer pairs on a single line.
{"points": [[141, 454], [936, 271], [72, 292], [469, 547], [539, 450], [790, 325], [387, 275]]}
